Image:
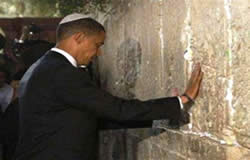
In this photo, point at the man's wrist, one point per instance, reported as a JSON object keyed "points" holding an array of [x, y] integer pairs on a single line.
{"points": [[186, 99], [184, 115]]}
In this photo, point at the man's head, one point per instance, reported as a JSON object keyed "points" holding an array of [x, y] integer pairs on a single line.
{"points": [[81, 37]]}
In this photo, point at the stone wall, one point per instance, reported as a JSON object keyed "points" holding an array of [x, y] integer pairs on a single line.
{"points": [[150, 48]]}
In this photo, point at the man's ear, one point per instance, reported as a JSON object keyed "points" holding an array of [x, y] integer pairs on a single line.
{"points": [[79, 37]]}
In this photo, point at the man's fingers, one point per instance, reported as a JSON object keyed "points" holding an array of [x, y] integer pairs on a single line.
{"points": [[200, 78], [198, 75], [195, 76], [195, 73], [197, 70], [195, 81], [199, 83]]}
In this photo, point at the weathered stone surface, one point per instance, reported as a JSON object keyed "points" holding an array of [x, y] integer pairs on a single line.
{"points": [[209, 46], [128, 66], [240, 70], [173, 15], [169, 145], [124, 27], [113, 145], [150, 49]]}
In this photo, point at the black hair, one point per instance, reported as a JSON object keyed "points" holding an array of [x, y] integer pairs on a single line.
{"points": [[88, 26]]}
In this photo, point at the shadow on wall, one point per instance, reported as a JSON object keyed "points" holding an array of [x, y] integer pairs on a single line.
{"points": [[123, 144], [128, 63]]}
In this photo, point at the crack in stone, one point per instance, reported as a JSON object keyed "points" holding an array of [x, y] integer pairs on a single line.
{"points": [[229, 96], [162, 47]]}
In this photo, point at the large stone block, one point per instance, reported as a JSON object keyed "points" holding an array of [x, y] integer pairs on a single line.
{"points": [[172, 20], [209, 46], [240, 70], [151, 144], [143, 24], [150, 49]]}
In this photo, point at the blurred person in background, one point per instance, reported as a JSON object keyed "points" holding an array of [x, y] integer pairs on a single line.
{"points": [[29, 47]]}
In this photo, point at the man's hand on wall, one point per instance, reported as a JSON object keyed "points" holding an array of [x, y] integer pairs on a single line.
{"points": [[193, 86]]}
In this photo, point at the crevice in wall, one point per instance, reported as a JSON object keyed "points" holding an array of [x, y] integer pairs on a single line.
{"points": [[205, 135], [162, 47], [231, 138], [187, 41], [229, 96]]}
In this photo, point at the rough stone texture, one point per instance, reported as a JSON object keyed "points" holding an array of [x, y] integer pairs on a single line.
{"points": [[240, 70], [150, 48], [128, 66], [209, 46], [146, 144]]}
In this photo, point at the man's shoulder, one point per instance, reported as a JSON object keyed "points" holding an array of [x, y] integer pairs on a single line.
{"points": [[54, 58]]}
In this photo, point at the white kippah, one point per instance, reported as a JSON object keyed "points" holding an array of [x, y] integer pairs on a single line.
{"points": [[72, 17]]}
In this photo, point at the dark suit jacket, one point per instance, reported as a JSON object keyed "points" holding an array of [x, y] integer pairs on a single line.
{"points": [[60, 108], [9, 130]]}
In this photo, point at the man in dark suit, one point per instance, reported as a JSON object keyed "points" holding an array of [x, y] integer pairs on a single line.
{"points": [[60, 107]]}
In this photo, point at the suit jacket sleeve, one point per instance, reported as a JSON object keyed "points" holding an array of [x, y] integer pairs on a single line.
{"points": [[74, 88]]}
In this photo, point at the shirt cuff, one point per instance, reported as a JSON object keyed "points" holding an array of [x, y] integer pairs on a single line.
{"points": [[181, 104]]}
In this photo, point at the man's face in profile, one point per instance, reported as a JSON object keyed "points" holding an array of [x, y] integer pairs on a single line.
{"points": [[90, 48]]}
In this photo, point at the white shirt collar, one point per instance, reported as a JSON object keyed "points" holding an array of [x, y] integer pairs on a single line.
{"points": [[66, 55]]}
